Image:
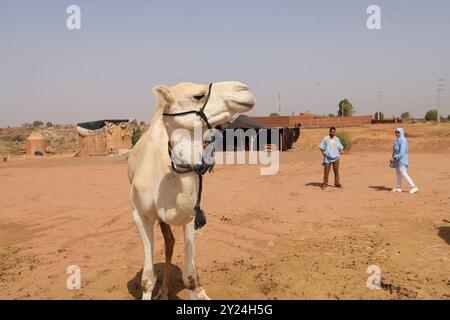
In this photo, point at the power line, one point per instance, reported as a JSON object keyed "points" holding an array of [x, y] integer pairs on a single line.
{"points": [[279, 103]]}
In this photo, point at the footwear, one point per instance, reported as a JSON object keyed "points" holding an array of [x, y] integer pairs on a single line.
{"points": [[414, 190], [323, 186], [396, 190], [338, 185]]}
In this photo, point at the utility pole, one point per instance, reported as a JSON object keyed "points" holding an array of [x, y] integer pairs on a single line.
{"points": [[440, 88], [279, 103], [379, 96]]}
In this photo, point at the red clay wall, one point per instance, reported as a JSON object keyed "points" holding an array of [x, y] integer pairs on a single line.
{"points": [[312, 122]]}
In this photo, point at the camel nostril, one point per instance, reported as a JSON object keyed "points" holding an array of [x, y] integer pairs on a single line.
{"points": [[240, 88]]}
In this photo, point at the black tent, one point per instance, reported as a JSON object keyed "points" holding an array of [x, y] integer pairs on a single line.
{"points": [[95, 125], [286, 136], [242, 122]]}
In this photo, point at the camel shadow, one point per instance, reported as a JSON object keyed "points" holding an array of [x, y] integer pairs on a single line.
{"points": [[314, 184], [444, 233], [380, 188], [176, 284]]}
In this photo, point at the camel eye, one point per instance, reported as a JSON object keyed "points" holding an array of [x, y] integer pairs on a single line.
{"points": [[199, 97]]}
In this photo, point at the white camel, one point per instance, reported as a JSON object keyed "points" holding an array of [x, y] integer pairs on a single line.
{"points": [[158, 192]]}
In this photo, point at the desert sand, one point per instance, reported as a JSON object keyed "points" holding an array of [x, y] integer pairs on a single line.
{"points": [[267, 237]]}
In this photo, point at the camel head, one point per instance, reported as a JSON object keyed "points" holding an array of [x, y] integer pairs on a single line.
{"points": [[225, 100]]}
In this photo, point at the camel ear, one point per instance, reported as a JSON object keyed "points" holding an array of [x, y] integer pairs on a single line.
{"points": [[162, 93]]}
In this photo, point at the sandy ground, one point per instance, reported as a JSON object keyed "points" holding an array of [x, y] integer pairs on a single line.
{"points": [[267, 237]]}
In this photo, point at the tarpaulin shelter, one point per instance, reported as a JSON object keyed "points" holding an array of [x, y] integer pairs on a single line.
{"points": [[103, 137]]}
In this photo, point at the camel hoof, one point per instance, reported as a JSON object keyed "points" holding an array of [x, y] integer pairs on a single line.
{"points": [[147, 295], [147, 286], [199, 294]]}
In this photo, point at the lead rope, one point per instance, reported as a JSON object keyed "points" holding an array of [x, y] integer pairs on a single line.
{"points": [[200, 217], [200, 170]]}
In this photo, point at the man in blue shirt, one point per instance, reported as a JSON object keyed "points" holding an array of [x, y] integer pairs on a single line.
{"points": [[331, 147]]}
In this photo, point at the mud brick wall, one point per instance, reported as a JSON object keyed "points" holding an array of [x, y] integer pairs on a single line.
{"points": [[313, 122]]}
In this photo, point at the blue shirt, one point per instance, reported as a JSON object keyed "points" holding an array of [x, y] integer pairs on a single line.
{"points": [[332, 148]]}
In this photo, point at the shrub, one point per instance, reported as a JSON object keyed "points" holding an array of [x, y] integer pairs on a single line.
{"points": [[431, 115], [137, 133], [274, 114], [405, 116], [49, 124], [345, 140]]}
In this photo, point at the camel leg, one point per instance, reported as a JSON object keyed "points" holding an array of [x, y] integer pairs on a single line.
{"points": [[190, 276], [145, 228], [169, 242]]}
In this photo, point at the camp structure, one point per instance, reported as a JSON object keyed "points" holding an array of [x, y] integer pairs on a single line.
{"points": [[103, 137], [35, 144], [244, 134]]}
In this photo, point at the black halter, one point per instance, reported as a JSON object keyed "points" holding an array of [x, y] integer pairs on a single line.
{"points": [[199, 169], [200, 112]]}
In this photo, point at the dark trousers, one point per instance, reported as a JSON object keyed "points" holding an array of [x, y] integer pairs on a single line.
{"points": [[326, 172]]}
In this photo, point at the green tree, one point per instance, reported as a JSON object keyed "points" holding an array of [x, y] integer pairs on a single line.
{"points": [[405, 116], [331, 115], [448, 118], [37, 124], [379, 115], [142, 123], [49, 124], [345, 108], [137, 133], [431, 115]]}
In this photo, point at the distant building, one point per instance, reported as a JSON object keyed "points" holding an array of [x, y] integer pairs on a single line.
{"points": [[35, 143], [307, 120]]}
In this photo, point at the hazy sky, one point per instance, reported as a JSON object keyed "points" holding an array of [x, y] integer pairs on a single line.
{"points": [[313, 52]]}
